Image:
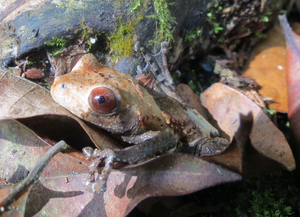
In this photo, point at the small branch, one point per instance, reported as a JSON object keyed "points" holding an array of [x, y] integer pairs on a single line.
{"points": [[33, 175]]}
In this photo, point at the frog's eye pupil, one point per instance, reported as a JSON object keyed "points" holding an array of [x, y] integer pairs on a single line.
{"points": [[102, 100]]}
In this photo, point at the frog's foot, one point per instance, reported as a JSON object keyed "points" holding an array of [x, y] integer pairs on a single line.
{"points": [[211, 146], [97, 182]]}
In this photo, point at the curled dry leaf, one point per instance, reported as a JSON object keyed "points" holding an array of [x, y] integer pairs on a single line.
{"points": [[226, 104], [293, 79], [34, 73], [20, 98], [233, 156]]}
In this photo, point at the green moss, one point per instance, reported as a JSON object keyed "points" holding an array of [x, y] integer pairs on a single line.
{"points": [[58, 43], [121, 41], [194, 84], [217, 6], [265, 18], [165, 20], [221, 40], [271, 195], [213, 17], [217, 28], [283, 12], [264, 204], [287, 124], [215, 25], [193, 35], [136, 4], [86, 35], [30, 63]]}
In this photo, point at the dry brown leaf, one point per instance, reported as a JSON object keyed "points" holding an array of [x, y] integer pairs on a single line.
{"points": [[34, 73], [60, 191], [268, 68], [168, 175], [233, 157], [226, 104], [20, 151]]}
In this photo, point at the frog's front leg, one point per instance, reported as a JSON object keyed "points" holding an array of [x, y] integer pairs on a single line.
{"points": [[146, 145]]}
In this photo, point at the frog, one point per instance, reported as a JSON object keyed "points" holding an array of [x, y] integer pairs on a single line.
{"points": [[146, 120]]}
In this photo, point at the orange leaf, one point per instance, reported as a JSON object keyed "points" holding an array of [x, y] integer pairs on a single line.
{"points": [[268, 68]]}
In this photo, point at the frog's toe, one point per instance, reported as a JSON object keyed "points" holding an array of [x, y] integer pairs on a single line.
{"points": [[98, 184], [89, 186]]}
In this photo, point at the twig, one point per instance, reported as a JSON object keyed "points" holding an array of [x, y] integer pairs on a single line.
{"points": [[33, 175]]}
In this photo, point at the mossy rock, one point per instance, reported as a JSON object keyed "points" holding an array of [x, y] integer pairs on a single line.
{"points": [[27, 25]]}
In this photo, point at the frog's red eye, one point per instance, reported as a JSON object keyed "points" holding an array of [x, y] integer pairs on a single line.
{"points": [[102, 100]]}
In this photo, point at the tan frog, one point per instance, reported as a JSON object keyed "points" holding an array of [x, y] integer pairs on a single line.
{"points": [[148, 120]]}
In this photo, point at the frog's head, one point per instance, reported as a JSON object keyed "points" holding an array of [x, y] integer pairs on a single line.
{"points": [[103, 96]]}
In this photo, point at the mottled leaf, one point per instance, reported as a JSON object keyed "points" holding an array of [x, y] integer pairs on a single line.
{"points": [[60, 189], [168, 175], [20, 150], [19, 193]]}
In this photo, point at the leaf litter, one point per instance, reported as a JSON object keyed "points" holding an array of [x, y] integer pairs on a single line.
{"points": [[144, 178], [127, 186]]}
